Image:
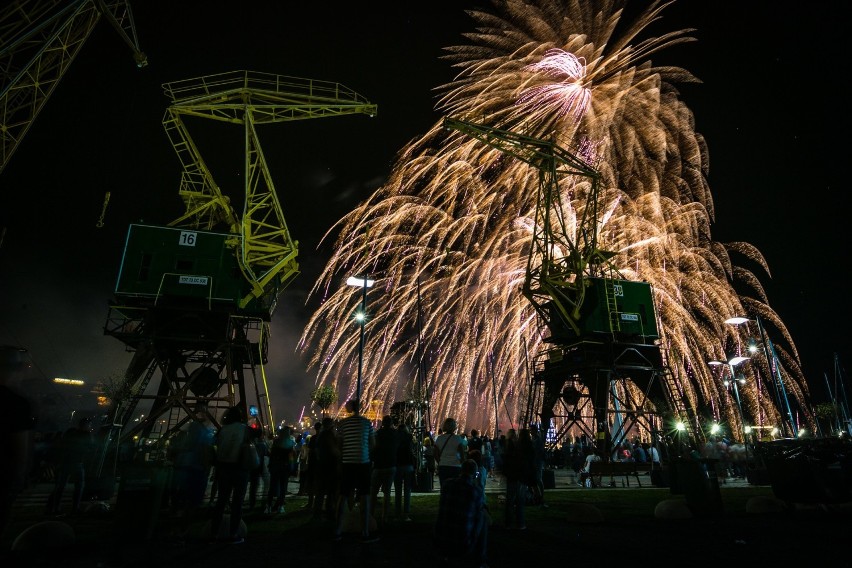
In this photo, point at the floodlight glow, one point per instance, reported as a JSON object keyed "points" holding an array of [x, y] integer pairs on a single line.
{"points": [[737, 360], [680, 426], [714, 429], [738, 320]]}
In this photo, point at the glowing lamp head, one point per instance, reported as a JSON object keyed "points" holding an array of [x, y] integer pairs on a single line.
{"points": [[360, 282]]}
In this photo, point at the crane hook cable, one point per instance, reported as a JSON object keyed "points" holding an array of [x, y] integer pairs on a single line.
{"points": [[100, 222]]}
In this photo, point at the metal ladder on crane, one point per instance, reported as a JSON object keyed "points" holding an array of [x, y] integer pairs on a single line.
{"points": [[676, 401], [612, 306]]}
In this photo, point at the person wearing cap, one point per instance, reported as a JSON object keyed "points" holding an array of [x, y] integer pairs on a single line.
{"points": [[17, 424]]}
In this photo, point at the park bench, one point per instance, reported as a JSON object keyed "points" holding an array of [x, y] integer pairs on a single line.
{"points": [[626, 470]]}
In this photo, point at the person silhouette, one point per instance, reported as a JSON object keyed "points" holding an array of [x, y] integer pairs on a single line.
{"points": [[357, 440], [233, 479], [461, 529], [17, 424], [192, 463], [73, 452]]}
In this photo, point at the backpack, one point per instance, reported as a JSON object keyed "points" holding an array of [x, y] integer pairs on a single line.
{"points": [[281, 457]]}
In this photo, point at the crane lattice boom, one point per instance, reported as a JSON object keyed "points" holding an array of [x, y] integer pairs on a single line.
{"points": [[561, 256], [39, 40], [267, 253]]}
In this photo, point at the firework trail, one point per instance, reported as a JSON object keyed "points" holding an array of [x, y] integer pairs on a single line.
{"points": [[447, 237]]}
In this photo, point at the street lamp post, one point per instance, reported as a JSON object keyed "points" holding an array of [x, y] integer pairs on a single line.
{"points": [[363, 283], [774, 370], [731, 364]]}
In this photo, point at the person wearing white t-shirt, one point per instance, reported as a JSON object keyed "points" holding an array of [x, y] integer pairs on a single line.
{"points": [[450, 451]]}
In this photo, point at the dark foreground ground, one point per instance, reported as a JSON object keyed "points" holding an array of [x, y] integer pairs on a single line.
{"points": [[629, 528]]}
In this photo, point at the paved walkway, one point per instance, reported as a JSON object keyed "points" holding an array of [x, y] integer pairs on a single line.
{"points": [[36, 496]]}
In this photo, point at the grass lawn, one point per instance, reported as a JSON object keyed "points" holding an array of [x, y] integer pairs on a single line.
{"points": [[731, 536]]}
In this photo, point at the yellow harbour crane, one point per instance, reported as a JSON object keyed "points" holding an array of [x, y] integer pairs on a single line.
{"points": [[194, 298], [39, 40]]}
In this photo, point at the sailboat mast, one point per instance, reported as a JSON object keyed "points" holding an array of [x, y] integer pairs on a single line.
{"points": [[844, 402]]}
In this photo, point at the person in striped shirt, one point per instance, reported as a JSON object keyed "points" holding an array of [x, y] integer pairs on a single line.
{"points": [[357, 439]]}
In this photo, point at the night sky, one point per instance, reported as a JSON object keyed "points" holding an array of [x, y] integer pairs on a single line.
{"points": [[770, 107]]}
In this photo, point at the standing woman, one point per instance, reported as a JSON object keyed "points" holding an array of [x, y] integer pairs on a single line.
{"points": [[261, 472], [233, 479], [450, 451]]}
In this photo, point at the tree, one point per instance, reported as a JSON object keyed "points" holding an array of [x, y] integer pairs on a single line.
{"points": [[324, 397], [117, 389], [828, 415]]}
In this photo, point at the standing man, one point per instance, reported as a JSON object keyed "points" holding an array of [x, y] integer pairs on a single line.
{"points": [[539, 458], [475, 442], [328, 470], [75, 449], [17, 422], [312, 481], [233, 479], [403, 481], [384, 466], [192, 462], [357, 439]]}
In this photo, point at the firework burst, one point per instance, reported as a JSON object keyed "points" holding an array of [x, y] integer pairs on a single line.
{"points": [[448, 235]]}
